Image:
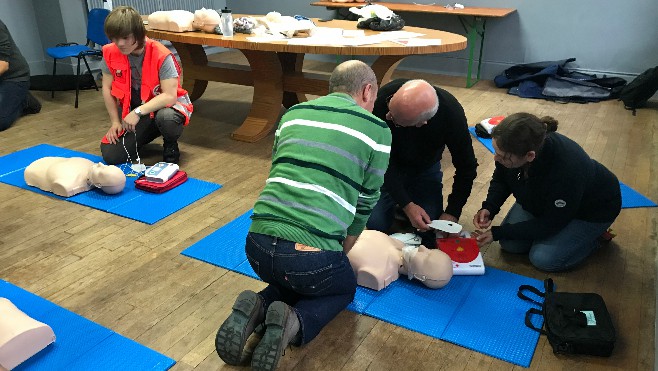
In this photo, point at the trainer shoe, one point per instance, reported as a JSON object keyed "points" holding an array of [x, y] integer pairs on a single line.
{"points": [[171, 153], [248, 312], [282, 327]]}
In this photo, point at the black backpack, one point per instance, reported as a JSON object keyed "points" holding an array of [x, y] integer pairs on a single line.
{"points": [[637, 92]]}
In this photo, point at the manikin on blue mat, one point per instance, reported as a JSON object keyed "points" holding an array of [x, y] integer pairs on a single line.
{"points": [[130, 203], [481, 313]]}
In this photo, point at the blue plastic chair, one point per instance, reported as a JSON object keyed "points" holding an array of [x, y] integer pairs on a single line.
{"points": [[95, 34]]}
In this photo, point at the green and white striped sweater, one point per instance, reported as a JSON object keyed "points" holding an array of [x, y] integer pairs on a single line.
{"points": [[328, 164]]}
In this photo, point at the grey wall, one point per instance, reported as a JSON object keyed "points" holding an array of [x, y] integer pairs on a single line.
{"points": [[19, 16], [605, 36]]}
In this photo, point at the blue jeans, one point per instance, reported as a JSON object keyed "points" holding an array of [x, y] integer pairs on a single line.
{"points": [[316, 284], [425, 190], [12, 101], [561, 251]]}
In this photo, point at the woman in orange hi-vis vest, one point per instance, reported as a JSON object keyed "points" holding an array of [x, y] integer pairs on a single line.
{"points": [[141, 91]]}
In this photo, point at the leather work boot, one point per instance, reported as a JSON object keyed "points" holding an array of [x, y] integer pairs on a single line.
{"points": [[248, 312], [282, 327], [171, 153]]}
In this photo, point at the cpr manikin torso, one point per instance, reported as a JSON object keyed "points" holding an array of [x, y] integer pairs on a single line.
{"points": [[67, 177], [378, 260], [21, 337]]}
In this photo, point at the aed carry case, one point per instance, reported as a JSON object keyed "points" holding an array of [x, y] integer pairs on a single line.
{"points": [[177, 179], [574, 323]]}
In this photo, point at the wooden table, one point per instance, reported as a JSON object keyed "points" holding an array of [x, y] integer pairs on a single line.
{"points": [[473, 19], [275, 68]]}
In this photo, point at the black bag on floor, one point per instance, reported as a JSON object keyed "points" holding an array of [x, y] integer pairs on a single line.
{"points": [[575, 323], [637, 92]]}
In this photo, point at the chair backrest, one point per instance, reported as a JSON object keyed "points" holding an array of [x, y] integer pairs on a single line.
{"points": [[96, 26]]}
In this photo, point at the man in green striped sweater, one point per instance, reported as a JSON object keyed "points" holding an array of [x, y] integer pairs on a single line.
{"points": [[328, 164]]}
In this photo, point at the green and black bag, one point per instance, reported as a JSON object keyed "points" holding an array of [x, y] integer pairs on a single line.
{"points": [[574, 323]]}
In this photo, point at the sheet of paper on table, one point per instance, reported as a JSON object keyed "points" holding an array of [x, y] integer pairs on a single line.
{"points": [[417, 42], [266, 38], [396, 35], [346, 41]]}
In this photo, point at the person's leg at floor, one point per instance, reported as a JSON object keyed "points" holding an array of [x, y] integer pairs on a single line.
{"points": [[129, 143], [12, 102], [170, 125], [569, 247], [426, 190], [516, 214], [250, 307], [31, 105], [381, 217], [325, 283]]}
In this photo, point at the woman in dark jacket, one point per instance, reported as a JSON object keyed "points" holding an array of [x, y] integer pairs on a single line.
{"points": [[564, 199]]}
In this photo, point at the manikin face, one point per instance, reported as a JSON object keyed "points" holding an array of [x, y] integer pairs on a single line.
{"points": [[108, 178], [432, 267], [126, 44]]}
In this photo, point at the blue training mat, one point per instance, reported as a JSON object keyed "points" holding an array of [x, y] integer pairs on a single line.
{"points": [[481, 313], [80, 343], [131, 203], [630, 198]]}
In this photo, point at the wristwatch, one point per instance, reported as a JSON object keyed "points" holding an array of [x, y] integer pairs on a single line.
{"points": [[138, 112]]}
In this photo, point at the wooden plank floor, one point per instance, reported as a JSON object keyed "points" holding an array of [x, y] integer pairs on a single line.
{"points": [[131, 277]]}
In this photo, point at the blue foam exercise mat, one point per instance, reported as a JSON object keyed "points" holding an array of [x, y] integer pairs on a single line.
{"points": [[630, 198], [80, 343], [225, 246], [492, 304], [131, 203], [481, 313]]}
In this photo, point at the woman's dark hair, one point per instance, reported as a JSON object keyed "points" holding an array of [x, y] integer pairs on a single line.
{"points": [[123, 21], [522, 132]]}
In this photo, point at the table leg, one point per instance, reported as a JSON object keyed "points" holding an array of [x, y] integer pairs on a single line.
{"points": [[292, 63], [384, 67], [192, 58], [267, 77], [473, 30]]}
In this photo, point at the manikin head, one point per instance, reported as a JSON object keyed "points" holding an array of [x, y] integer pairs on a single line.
{"points": [[432, 267], [109, 178], [378, 259]]}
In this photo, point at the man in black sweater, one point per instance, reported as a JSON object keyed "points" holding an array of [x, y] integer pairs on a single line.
{"points": [[15, 98], [424, 120]]}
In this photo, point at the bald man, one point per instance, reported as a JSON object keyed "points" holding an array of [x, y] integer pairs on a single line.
{"points": [[424, 120]]}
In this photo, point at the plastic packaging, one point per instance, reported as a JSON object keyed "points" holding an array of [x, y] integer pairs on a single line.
{"points": [[227, 22]]}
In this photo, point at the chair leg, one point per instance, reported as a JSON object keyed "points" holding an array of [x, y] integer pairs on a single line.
{"points": [[89, 70], [52, 93], [77, 84]]}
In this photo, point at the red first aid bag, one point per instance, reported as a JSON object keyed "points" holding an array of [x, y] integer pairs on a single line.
{"points": [[179, 178]]}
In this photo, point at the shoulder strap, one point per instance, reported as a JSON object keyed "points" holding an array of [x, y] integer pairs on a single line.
{"points": [[549, 286], [533, 290], [528, 322]]}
